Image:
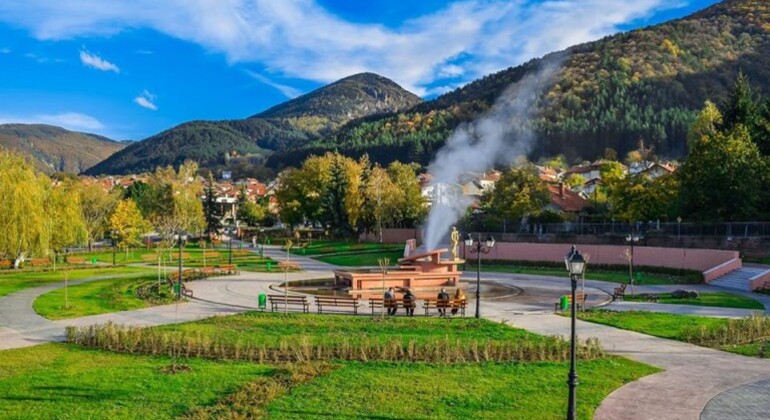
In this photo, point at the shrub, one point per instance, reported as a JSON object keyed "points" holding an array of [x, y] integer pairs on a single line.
{"points": [[735, 332]]}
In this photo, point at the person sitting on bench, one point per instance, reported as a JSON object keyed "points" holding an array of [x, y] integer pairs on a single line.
{"points": [[443, 301], [458, 301], [409, 302], [390, 301]]}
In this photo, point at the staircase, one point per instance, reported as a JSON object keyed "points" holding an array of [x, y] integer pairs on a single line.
{"points": [[738, 279]]}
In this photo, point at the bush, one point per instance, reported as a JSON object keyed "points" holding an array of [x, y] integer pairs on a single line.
{"points": [[736, 332]]}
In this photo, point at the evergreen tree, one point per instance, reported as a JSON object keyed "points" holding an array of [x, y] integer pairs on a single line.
{"points": [[212, 211], [333, 199]]}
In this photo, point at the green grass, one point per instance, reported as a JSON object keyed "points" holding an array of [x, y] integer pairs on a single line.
{"points": [[664, 325], [420, 391], [94, 298], [333, 247], [270, 328], [358, 260], [11, 281], [641, 278], [60, 381], [716, 299]]}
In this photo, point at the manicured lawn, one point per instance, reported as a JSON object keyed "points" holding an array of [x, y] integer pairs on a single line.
{"points": [[11, 281], [469, 391], [732, 334], [331, 247], [716, 299], [358, 260], [94, 298], [61, 381], [610, 276], [271, 328]]}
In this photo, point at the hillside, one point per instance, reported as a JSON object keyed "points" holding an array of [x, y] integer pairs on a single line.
{"points": [[54, 149], [291, 124], [644, 84]]}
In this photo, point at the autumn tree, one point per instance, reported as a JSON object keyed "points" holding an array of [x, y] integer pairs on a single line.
{"points": [[128, 225], [518, 193], [96, 205], [65, 217], [172, 202], [23, 221], [409, 206], [250, 212]]}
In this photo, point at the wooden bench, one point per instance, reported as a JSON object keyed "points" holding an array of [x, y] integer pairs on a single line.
{"points": [[6, 263], [581, 301], [286, 301], [149, 257], [175, 255], [337, 302], [76, 260], [211, 254], [37, 262], [288, 265], [446, 304], [209, 271], [619, 292], [228, 269], [376, 303]]}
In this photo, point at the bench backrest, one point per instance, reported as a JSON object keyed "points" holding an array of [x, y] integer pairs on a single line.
{"points": [[76, 260], [287, 298], [336, 300], [579, 296]]}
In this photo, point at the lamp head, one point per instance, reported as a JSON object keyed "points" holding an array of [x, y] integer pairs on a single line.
{"points": [[568, 257], [490, 242], [469, 241], [577, 264]]}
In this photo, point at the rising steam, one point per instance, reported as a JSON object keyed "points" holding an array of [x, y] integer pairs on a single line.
{"points": [[499, 136]]}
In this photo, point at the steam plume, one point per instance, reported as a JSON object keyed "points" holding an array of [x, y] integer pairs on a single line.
{"points": [[498, 137]]}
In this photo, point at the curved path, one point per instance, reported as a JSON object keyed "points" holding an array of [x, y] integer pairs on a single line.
{"points": [[694, 378]]}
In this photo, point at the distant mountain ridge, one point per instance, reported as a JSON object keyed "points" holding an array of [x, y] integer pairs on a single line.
{"points": [[55, 149], [288, 125]]}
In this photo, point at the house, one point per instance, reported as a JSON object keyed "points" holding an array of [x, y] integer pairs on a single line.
{"points": [[563, 200], [658, 169]]}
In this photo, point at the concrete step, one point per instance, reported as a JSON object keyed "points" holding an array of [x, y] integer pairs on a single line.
{"points": [[738, 279]]}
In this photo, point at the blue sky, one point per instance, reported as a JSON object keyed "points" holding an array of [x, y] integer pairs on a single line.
{"points": [[129, 69]]}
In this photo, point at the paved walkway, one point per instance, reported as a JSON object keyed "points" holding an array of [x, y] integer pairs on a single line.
{"points": [[694, 377]]}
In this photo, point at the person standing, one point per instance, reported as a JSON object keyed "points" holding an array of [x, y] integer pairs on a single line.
{"points": [[409, 302]]}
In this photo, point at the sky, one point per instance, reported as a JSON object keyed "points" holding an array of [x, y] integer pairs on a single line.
{"points": [[128, 69]]}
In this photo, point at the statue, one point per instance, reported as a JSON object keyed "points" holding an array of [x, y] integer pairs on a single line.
{"points": [[455, 237]]}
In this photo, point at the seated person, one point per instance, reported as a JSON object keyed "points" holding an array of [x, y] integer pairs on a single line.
{"points": [[458, 300], [390, 301], [409, 302], [443, 302]]}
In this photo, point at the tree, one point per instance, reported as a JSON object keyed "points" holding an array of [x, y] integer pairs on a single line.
{"points": [[638, 197], [212, 211], [96, 205], [172, 201], [65, 217], [381, 203], [333, 198], [706, 124], [249, 212], [128, 225], [23, 221], [518, 193], [409, 206]]}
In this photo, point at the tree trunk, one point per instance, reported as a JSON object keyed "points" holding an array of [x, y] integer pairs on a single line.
{"points": [[18, 260]]}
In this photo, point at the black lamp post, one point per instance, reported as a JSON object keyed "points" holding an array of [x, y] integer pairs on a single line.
{"points": [[575, 266], [233, 231], [478, 248], [180, 241], [632, 238]]}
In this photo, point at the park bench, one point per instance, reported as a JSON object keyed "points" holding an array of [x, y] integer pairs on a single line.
{"points": [[228, 269], [579, 296], [286, 301], [289, 265], [175, 255], [76, 260], [211, 254], [149, 257], [447, 304], [37, 262], [189, 274], [376, 303], [6, 263], [619, 292], [241, 252], [209, 271], [336, 302]]}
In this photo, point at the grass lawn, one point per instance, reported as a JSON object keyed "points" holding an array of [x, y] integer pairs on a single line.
{"points": [[11, 281], [716, 299], [674, 327], [358, 260], [270, 328], [332, 247], [61, 381], [94, 298], [609, 276], [471, 391]]}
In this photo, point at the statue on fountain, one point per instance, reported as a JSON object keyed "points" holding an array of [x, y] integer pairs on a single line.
{"points": [[455, 237]]}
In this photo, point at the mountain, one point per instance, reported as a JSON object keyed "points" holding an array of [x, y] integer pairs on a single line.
{"points": [[644, 84], [54, 149], [291, 124]]}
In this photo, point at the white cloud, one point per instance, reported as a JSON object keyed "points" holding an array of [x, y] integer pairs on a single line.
{"points": [[299, 38], [287, 91], [145, 100], [96, 62], [70, 120]]}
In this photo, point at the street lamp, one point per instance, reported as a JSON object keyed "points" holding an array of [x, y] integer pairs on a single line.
{"points": [[180, 240], [478, 248], [575, 265], [632, 238]]}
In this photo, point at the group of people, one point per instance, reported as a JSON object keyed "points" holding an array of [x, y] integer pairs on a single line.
{"points": [[410, 301]]}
